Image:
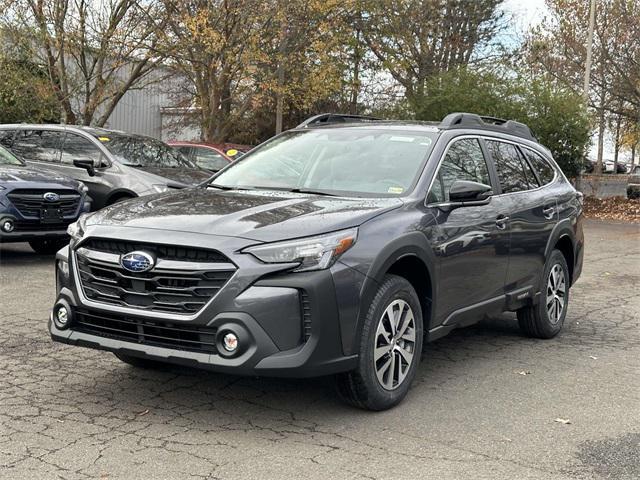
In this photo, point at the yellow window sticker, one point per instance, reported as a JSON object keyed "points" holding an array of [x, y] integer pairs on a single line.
{"points": [[104, 139], [395, 190]]}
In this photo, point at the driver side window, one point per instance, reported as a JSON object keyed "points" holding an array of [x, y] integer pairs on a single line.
{"points": [[464, 161]]}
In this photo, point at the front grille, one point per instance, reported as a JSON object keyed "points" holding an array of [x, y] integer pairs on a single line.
{"points": [[30, 203], [36, 226], [130, 329], [174, 290]]}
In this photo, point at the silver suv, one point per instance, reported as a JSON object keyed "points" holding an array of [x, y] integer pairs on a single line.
{"points": [[114, 165]]}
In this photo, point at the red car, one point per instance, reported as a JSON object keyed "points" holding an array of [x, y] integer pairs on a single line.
{"points": [[204, 155]]}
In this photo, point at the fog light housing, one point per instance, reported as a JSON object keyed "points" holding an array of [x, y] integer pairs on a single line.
{"points": [[7, 225], [61, 316], [230, 342]]}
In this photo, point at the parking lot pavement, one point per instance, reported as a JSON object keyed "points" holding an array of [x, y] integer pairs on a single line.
{"points": [[484, 405]]}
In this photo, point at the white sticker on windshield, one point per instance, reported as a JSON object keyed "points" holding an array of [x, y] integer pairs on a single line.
{"points": [[402, 139]]}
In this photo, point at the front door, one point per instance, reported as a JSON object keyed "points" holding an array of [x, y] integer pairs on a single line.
{"points": [[472, 242]]}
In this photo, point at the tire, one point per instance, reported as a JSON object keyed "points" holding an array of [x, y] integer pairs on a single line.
{"points": [[119, 199], [539, 321], [141, 362], [47, 246], [367, 386]]}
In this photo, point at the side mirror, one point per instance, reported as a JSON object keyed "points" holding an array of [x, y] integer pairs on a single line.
{"points": [[87, 164], [465, 191]]}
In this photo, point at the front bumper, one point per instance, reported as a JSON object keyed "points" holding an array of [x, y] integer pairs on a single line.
{"points": [[288, 324]]}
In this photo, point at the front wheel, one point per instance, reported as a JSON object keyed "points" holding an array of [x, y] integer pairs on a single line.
{"points": [[48, 246], [545, 319], [390, 348]]}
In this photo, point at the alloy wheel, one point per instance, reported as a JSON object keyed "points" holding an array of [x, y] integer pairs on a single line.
{"points": [[394, 344], [556, 293]]}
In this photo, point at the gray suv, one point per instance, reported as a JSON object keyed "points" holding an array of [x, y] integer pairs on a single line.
{"points": [[114, 165], [333, 248]]}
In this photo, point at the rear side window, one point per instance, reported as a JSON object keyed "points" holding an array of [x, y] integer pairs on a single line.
{"points": [[464, 161], [39, 145], [510, 167], [545, 172]]}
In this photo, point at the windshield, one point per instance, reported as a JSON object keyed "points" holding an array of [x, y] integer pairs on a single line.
{"points": [[348, 161], [8, 158], [137, 151]]}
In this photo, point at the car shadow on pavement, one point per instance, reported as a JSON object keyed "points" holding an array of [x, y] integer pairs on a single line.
{"points": [[178, 391]]}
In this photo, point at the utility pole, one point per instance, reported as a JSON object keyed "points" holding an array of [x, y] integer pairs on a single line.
{"points": [[587, 78], [587, 66]]}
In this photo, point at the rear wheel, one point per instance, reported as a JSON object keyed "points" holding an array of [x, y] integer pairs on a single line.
{"points": [[141, 362], [545, 319], [390, 348], [48, 246]]}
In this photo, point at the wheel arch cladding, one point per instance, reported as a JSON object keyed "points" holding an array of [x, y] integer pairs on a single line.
{"points": [[565, 245]]}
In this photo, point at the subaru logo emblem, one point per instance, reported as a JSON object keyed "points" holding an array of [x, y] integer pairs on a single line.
{"points": [[51, 197], [137, 262]]}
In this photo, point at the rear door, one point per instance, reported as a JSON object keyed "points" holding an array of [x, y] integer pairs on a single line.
{"points": [[532, 216], [471, 244], [209, 159]]}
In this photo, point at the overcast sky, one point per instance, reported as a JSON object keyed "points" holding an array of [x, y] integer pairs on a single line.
{"points": [[528, 13]]}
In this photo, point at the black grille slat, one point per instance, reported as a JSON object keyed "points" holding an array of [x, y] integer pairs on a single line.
{"points": [[166, 252], [160, 290], [306, 315], [121, 327], [29, 202]]}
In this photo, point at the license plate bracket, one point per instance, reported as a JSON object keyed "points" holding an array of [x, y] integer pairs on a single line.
{"points": [[51, 215]]}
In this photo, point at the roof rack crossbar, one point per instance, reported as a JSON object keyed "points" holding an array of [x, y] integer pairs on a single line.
{"points": [[461, 120], [329, 118]]}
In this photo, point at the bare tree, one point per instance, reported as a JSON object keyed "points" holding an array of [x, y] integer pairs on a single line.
{"points": [[94, 52]]}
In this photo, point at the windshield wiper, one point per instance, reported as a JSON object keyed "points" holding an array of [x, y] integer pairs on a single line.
{"points": [[311, 192], [223, 187]]}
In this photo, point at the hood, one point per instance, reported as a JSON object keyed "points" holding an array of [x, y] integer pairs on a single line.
{"points": [[13, 176], [260, 215], [188, 176]]}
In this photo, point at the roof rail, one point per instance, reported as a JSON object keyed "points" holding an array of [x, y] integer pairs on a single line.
{"points": [[512, 127], [329, 118]]}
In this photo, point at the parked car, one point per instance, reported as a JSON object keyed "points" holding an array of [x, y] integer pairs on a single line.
{"points": [[608, 167], [114, 165], [335, 249], [633, 185], [36, 205], [204, 155]]}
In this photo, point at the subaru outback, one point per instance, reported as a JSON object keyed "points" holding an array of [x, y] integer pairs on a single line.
{"points": [[36, 205], [338, 247]]}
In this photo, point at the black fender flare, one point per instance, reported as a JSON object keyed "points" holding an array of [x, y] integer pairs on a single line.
{"points": [[562, 229], [120, 192]]}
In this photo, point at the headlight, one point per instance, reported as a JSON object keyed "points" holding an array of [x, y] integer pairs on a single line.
{"points": [[160, 188], [76, 229], [82, 187], [313, 253]]}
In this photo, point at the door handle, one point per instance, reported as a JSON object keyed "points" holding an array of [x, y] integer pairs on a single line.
{"points": [[501, 222], [548, 212]]}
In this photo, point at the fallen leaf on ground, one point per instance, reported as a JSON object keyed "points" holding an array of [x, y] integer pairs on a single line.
{"points": [[564, 421], [143, 413], [524, 372], [614, 208], [591, 356]]}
